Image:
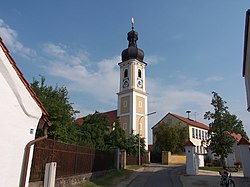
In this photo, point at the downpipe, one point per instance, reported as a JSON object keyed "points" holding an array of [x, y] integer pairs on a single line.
{"points": [[26, 159]]}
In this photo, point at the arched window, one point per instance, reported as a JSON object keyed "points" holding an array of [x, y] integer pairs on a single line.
{"points": [[139, 73], [125, 73]]}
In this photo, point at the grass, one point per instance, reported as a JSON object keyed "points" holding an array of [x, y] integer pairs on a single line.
{"points": [[111, 178], [211, 168]]}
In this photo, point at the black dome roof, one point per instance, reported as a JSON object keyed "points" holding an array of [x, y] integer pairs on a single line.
{"points": [[132, 52]]}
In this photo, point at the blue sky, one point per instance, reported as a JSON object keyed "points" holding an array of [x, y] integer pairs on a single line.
{"points": [[192, 48]]}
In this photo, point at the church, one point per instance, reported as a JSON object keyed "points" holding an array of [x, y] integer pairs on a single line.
{"points": [[132, 106]]}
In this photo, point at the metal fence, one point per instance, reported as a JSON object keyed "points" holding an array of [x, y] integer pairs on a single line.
{"points": [[71, 159], [133, 160]]}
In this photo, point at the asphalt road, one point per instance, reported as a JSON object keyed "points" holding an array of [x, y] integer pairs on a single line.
{"points": [[159, 176]]}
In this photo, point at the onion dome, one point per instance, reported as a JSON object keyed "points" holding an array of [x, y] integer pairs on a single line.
{"points": [[132, 52]]}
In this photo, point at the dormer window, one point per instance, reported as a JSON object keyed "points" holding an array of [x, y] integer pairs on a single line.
{"points": [[139, 73], [125, 73]]}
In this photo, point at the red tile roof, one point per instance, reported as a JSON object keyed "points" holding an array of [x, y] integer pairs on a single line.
{"points": [[24, 81], [243, 141], [112, 117], [186, 120], [237, 137], [189, 143], [191, 122]]}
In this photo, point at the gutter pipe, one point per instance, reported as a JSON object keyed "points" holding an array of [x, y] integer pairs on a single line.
{"points": [[26, 159]]}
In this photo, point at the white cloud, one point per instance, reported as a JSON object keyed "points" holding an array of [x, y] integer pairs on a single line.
{"points": [[98, 79], [214, 79], [102, 82], [173, 98], [9, 37], [152, 60]]}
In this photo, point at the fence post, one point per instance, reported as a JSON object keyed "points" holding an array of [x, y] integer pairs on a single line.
{"points": [[117, 158], [191, 159], [123, 159]]}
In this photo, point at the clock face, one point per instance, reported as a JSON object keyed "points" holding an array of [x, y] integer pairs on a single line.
{"points": [[125, 83], [139, 83]]}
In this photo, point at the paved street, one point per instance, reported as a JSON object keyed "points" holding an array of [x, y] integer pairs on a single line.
{"points": [[158, 175], [174, 176]]}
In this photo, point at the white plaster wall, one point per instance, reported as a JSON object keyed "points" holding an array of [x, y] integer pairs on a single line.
{"points": [[19, 114], [245, 157], [201, 160]]}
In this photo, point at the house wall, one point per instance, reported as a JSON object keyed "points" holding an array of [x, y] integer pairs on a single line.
{"points": [[196, 140], [234, 157], [19, 118], [197, 135]]}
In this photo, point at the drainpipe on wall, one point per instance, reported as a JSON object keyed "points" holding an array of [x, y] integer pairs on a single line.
{"points": [[26, 159]]}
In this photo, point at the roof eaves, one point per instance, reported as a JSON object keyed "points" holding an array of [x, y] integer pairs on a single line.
{"points": [[160, 120], [245, 42], [24, 81]]}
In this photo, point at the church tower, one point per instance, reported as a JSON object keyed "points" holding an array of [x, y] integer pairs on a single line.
{"points": [[132, 96]]}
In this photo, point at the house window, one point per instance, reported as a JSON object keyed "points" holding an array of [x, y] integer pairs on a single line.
{"points": [[125, 73], [197, 149], [206, 137], [193, 133], [199, 134], [196, 133], [139, 73], [203, 137]]}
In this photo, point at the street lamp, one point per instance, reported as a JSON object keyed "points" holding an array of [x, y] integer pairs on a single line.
{"points": [[139, 141]]}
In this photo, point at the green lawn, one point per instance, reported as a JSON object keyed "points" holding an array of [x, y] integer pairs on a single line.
{"points": [[111, 178]]}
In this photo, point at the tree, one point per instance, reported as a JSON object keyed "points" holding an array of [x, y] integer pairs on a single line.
{"points": [[133, 145], [117, 137], [220, 141], [94, 131], [60, 110], [171, 137]]}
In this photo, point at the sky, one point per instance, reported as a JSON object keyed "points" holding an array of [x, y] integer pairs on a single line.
{"points": [[192, 48]]}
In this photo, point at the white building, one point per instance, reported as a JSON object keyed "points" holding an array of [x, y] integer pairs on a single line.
{"points": [[21, 115], [197, 132]]}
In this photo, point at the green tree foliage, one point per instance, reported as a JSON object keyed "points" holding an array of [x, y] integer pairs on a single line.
{"points": [[60, 110], [133, 145], [171, 137], [97, 133], [117, 137], [94, 131], [220, 141]]}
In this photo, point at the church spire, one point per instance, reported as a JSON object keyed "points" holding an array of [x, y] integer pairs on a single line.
{"points": [[132, 36], [132, 52]]}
